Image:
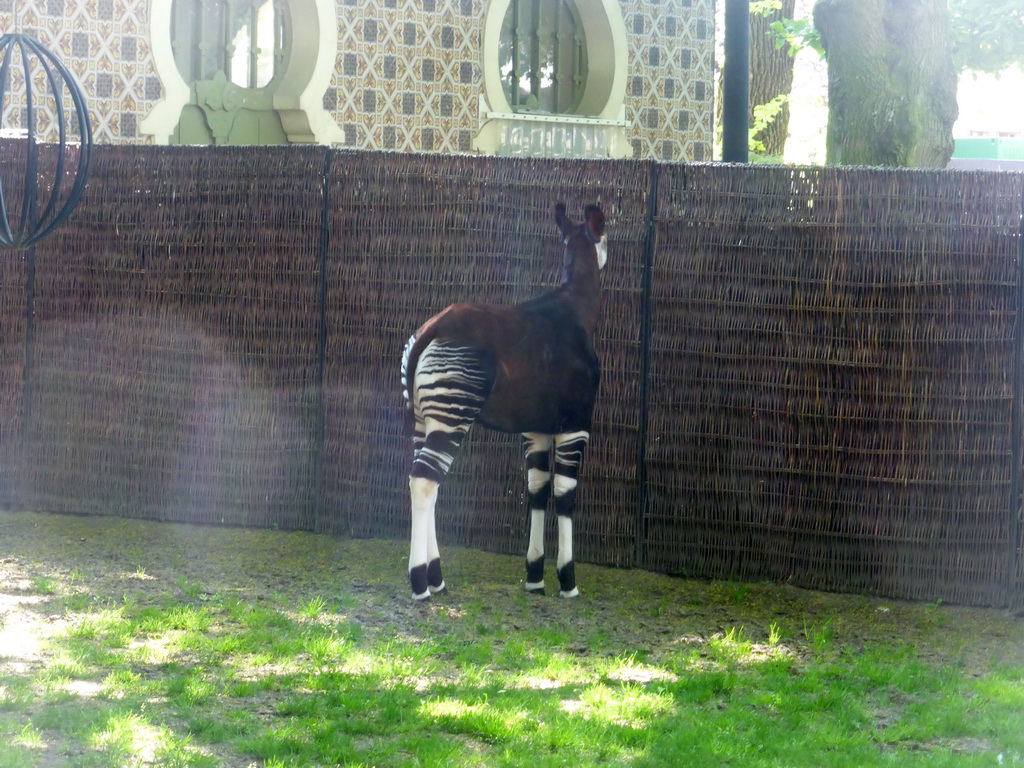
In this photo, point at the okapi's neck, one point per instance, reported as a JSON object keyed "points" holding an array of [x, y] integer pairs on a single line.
{"points": [[581, 287]]}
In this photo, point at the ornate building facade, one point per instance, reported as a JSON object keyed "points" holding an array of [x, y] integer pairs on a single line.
{"points": [[574, 78]]}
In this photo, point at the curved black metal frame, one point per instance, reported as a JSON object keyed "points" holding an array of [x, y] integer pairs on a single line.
{"points": [[33, 226]]}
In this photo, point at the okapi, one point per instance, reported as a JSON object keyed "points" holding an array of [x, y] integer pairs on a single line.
{"points": [[528, 368]]}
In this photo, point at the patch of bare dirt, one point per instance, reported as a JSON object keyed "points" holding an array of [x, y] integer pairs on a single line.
{"points": [[43, 556]]}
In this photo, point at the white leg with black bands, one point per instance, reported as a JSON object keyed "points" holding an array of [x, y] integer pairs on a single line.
{"points": [[566, 567], [435, 581], [538, 486], [535, 553], [536, 549], [449, 386], [569, 449], [423, 493]]}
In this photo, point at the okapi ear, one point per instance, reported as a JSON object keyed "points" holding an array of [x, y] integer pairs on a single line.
{"points": [[594, 217], [564, 225]]}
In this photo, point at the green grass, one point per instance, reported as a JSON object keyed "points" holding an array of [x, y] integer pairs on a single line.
{"points": [[642, 670]]}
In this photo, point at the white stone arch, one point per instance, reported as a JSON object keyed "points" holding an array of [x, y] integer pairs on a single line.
{"points": [[298, 98], [607, 57], [601, 111]]}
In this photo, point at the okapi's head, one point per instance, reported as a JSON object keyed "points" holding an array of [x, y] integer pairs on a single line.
{"points": [[584, 243]]}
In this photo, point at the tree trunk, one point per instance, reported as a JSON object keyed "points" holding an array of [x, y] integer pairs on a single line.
{"points": [[771, 75], [891, 82]]}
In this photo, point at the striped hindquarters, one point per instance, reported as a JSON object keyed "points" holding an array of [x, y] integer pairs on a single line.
{"points": [[448, 386]]}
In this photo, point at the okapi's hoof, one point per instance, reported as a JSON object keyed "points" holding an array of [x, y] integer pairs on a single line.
{"points": [[418, 582], [442, 590], [567, 580], [421, 598], [434, 578], [535, 589]]}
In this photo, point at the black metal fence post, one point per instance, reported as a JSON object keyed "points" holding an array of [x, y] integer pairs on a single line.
{"points": [[736, 82], [30, 333], [1016, 525], [321, 357], [650, 243]]}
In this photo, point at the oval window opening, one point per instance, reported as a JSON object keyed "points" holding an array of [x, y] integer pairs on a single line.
{"points": [[543, 56], [244, 39]]}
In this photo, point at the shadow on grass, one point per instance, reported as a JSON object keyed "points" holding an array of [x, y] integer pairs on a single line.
{"points": [[192, 660]]}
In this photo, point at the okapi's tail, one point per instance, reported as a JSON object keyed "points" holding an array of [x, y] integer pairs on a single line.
{"points": [[407, 375], [410, 359]]}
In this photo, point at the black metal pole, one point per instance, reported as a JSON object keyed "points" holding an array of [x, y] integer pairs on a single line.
{"points": [[28, 392], [1014, 587], [650, 244], [321, 355], [736, 82]]}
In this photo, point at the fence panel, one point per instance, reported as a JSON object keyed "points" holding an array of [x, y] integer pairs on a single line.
{"points": [[174, 367], [833, 361], [14, 271], [410, 235], [13, 315], [833, 390]]}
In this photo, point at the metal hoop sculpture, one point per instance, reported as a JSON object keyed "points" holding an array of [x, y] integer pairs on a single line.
{"points": [[32, 224]]}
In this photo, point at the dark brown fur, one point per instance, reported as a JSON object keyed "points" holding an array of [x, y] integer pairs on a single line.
{"points": [[543, 367]]}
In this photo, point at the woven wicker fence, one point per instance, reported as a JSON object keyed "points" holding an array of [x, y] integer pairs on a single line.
{"points": [[834, 362], [809, 375]]}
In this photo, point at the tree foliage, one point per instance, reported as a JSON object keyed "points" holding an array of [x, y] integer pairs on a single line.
{"points": [[987, 35], [771, 79], [984, 36], [797, 34]]}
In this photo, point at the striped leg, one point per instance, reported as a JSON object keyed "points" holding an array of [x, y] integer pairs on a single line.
{"points": [[424, 560], [538, 484], [569, 448], [450, 386]]}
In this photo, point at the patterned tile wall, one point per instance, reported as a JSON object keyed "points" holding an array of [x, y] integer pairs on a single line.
{"points": [[105, 44], [408, 74], [669, 98]]}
